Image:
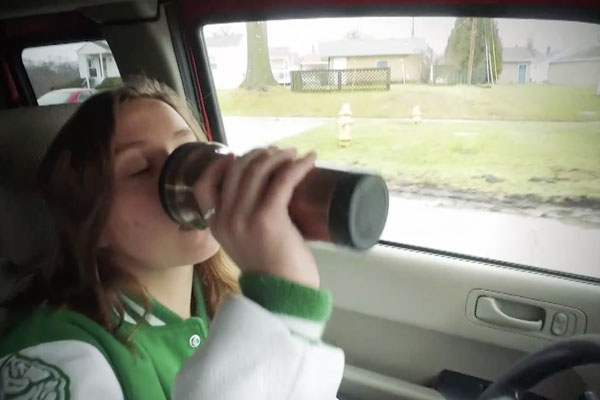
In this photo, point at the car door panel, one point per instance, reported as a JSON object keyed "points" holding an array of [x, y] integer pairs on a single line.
{"points": [[402, 313]]}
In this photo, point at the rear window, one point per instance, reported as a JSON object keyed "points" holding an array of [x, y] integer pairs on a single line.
{"points": [[70, 73], [487, 131]]}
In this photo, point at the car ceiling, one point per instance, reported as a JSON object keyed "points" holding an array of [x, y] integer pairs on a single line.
{"points": [[110, 11]]}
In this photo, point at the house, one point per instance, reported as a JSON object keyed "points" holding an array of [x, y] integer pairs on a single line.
{"points": [[227, 55], [228, 59], [282, 62], [312, 61], [581, 68], [517, 65], [407, 58], [541, 65], [96, 63]]}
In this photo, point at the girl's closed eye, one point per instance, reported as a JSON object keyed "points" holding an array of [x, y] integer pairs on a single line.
{"points": [[140, 171], [134, 167]]}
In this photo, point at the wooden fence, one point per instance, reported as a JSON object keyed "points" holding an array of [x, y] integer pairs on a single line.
{"points": [[330, 80]]}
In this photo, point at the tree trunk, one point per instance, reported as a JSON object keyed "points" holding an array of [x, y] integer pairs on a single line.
{"points": [[472, 51], [258, 71]]}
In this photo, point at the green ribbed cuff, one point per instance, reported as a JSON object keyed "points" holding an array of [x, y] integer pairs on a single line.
{"points": [[282, 296]]}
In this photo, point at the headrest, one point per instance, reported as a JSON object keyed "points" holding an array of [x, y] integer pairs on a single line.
{"points": [[25, 134]]}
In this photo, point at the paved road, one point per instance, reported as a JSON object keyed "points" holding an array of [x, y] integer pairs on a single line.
{"points": [[245, 133], [535, 241], [540, 242]]}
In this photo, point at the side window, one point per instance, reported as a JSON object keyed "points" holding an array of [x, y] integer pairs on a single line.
{"points": [[70, 73], [486, 130]]}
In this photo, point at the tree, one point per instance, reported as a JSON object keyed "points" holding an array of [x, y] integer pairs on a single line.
{"points": [[259, 75], [50, 75], [459, 43]]}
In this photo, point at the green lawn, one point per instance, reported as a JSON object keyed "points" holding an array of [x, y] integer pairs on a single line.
{"points": [[497, 158], [504, 102]]}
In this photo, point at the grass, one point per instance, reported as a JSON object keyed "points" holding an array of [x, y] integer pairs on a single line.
{"points": [[548, 160], [502, 102]]}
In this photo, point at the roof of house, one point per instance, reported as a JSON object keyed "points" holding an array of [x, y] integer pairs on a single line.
{"points": [[589, 53], [518, 54], [224, 41], [312, 58], [94, 48], [103, 44], [372, 47]]}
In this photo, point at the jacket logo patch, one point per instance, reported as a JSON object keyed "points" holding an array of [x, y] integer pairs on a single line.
{"points": [[23, 378]]}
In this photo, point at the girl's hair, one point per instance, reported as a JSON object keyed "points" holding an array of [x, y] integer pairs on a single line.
{"points": [[76, 179]]}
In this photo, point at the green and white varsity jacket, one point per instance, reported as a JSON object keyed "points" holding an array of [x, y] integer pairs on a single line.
{"points": [[262, 345]]}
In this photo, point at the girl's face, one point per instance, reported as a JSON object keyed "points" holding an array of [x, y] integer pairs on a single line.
{"points": [[138, 231]]}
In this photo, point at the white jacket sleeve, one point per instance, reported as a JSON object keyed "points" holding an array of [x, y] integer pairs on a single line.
{"points": [[65, 369], [252, 353]]}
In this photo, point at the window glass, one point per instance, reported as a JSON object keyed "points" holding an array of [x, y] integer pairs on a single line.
{"points": [[70, 73], [487, 131]]}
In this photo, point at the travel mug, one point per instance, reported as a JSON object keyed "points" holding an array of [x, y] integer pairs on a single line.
{"points": [[333, 205]]}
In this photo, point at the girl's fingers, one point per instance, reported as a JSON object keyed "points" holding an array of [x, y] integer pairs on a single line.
{"points": [[232, 180], [207, 187], [256, 179], [282, 187]]}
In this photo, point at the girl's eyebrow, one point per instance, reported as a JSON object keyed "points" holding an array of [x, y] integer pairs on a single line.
{"points": [[122, 147]]}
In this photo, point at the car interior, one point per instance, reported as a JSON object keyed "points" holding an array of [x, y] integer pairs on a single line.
{"points": [[410, 319]]}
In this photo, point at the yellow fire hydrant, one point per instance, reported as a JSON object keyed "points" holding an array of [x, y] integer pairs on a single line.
{"points": [[344, 123], [416, 115]]}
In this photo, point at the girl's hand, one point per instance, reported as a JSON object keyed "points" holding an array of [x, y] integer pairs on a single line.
{"points": [[252, 221]]}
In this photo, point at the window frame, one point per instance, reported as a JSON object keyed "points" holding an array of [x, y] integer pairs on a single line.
{"points": [[41, 30], [53, 43], [387, 64]]}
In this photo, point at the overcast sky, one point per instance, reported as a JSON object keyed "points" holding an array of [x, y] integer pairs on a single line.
{"points": [[301, 35]]}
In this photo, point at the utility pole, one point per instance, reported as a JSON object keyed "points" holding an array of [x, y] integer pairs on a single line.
{"points": [[493, 50], [472, 51], [413, 28], [598, 88]]}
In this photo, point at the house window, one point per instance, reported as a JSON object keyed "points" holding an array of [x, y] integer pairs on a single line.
{"points": [[381, 64]]}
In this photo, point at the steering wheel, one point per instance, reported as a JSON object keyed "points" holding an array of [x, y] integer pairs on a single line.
{"points": [[556, 357]]}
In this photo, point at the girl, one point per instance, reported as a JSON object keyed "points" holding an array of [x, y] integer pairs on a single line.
{"points": [[131, 306]]}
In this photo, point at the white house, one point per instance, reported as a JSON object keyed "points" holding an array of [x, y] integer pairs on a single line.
{"points": [[96, 63], [581, 68], [228, 60], [517, 65], [283, 60], [313, 61], [540, 66], [227, 55]]}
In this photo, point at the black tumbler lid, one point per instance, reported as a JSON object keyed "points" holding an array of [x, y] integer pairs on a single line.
{"points": [[358, 211]]}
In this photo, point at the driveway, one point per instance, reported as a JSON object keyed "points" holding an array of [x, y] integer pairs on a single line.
{"points": [[246, 133]]}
